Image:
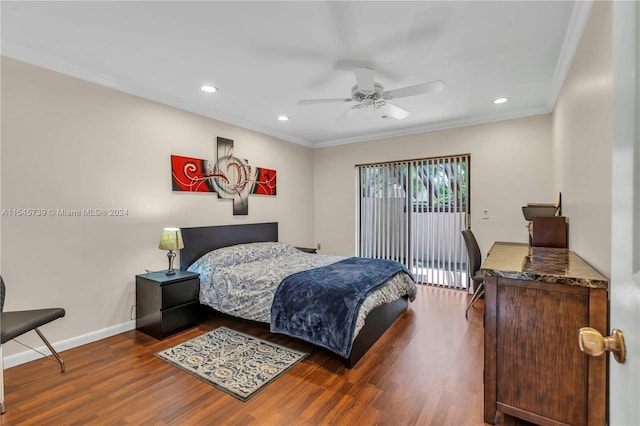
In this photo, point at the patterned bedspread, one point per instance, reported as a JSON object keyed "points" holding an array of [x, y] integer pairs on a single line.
{"points": [[241, 280]]}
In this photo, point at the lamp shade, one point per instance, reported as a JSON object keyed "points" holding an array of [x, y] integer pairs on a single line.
{"points": [[171, 239]]}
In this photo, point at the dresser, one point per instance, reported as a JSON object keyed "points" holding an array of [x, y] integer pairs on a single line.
{"points": [[536, 300]]}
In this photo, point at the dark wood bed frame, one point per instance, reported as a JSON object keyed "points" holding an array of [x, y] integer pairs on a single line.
{"points": [[201, 240]]}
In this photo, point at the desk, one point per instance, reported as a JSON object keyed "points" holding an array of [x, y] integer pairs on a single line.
{"points": [[536, 301]]}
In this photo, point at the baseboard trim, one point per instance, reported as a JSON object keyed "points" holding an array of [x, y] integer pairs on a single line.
{"points": [[63, 345]]}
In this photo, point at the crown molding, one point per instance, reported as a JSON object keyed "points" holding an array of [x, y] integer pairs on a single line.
{"points": [[437, 126], [26, 54], [577, 23]]}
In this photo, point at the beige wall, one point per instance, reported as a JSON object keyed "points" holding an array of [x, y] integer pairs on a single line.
{"points": [[511, 165], [69, 144], [582, 147]]}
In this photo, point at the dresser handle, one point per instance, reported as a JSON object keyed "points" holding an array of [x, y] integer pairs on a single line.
{"points": [[593, 343]]}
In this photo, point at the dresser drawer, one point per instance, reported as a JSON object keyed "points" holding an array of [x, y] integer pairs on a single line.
{"points": [[178, 293], [179, 317]]}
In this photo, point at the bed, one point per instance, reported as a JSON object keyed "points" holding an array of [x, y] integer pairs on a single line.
{"points": [[377, 313]]}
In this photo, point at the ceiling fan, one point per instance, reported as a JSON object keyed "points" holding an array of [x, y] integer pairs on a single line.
{"points": [[370, 93]]}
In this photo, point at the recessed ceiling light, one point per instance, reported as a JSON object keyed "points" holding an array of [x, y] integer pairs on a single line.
{"points": [[208, 89], [500, 100], [283, 118]]}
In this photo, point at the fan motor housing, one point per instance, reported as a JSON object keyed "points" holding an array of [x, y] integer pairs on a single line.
{"points": [[359, 95]]}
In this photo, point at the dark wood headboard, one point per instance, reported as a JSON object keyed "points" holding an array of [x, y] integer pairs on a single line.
{"points": [[201, 240]]}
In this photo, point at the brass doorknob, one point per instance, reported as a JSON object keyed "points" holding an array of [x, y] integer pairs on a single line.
{"points": [[593, 343]]}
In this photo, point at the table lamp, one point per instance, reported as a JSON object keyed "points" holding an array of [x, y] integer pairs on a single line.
{"points": [[171, 240]]}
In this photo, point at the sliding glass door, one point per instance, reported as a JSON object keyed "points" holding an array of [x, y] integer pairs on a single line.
{"points": [[413, 212]]}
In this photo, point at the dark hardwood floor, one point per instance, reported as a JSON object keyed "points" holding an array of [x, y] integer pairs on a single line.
{"points": [[425, 370]]}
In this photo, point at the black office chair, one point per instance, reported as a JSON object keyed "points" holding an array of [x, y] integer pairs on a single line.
{"points": [[16, 323], [475, 260]]}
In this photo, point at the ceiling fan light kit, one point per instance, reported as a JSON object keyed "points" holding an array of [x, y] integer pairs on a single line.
{"points": [[370, 93]]}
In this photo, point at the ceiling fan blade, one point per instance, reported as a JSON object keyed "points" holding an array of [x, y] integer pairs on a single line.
{"points": [[418, 89], [365, 79], [323, 101], [347, 114], [352, 64], [395, 111]]}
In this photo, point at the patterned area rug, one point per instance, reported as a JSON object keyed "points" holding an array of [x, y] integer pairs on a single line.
{"points": [[234, 362]]}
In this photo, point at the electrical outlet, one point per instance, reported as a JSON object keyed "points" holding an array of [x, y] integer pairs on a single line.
{"points": [[318, 246]]}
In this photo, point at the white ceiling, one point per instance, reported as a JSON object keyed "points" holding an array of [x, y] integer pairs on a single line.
{"points": [[265, 56]]}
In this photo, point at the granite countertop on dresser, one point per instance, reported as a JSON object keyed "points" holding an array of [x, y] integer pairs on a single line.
{"points": [[553, 265]]}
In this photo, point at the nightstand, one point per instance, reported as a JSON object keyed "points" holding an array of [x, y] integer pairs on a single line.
{"points": [[165, 303]]}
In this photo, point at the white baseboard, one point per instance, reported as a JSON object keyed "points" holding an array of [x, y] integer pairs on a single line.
{"points": [[63, 345]]}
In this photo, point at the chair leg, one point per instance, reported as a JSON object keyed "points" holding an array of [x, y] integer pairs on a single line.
{"points": [[477, 295], [53, 351], [2, 406]]}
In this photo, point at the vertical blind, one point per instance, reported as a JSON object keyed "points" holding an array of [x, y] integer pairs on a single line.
{"points": [[413, 212]]}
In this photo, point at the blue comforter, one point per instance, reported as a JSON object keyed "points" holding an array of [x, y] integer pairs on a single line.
{"points": [[321, 305]]}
